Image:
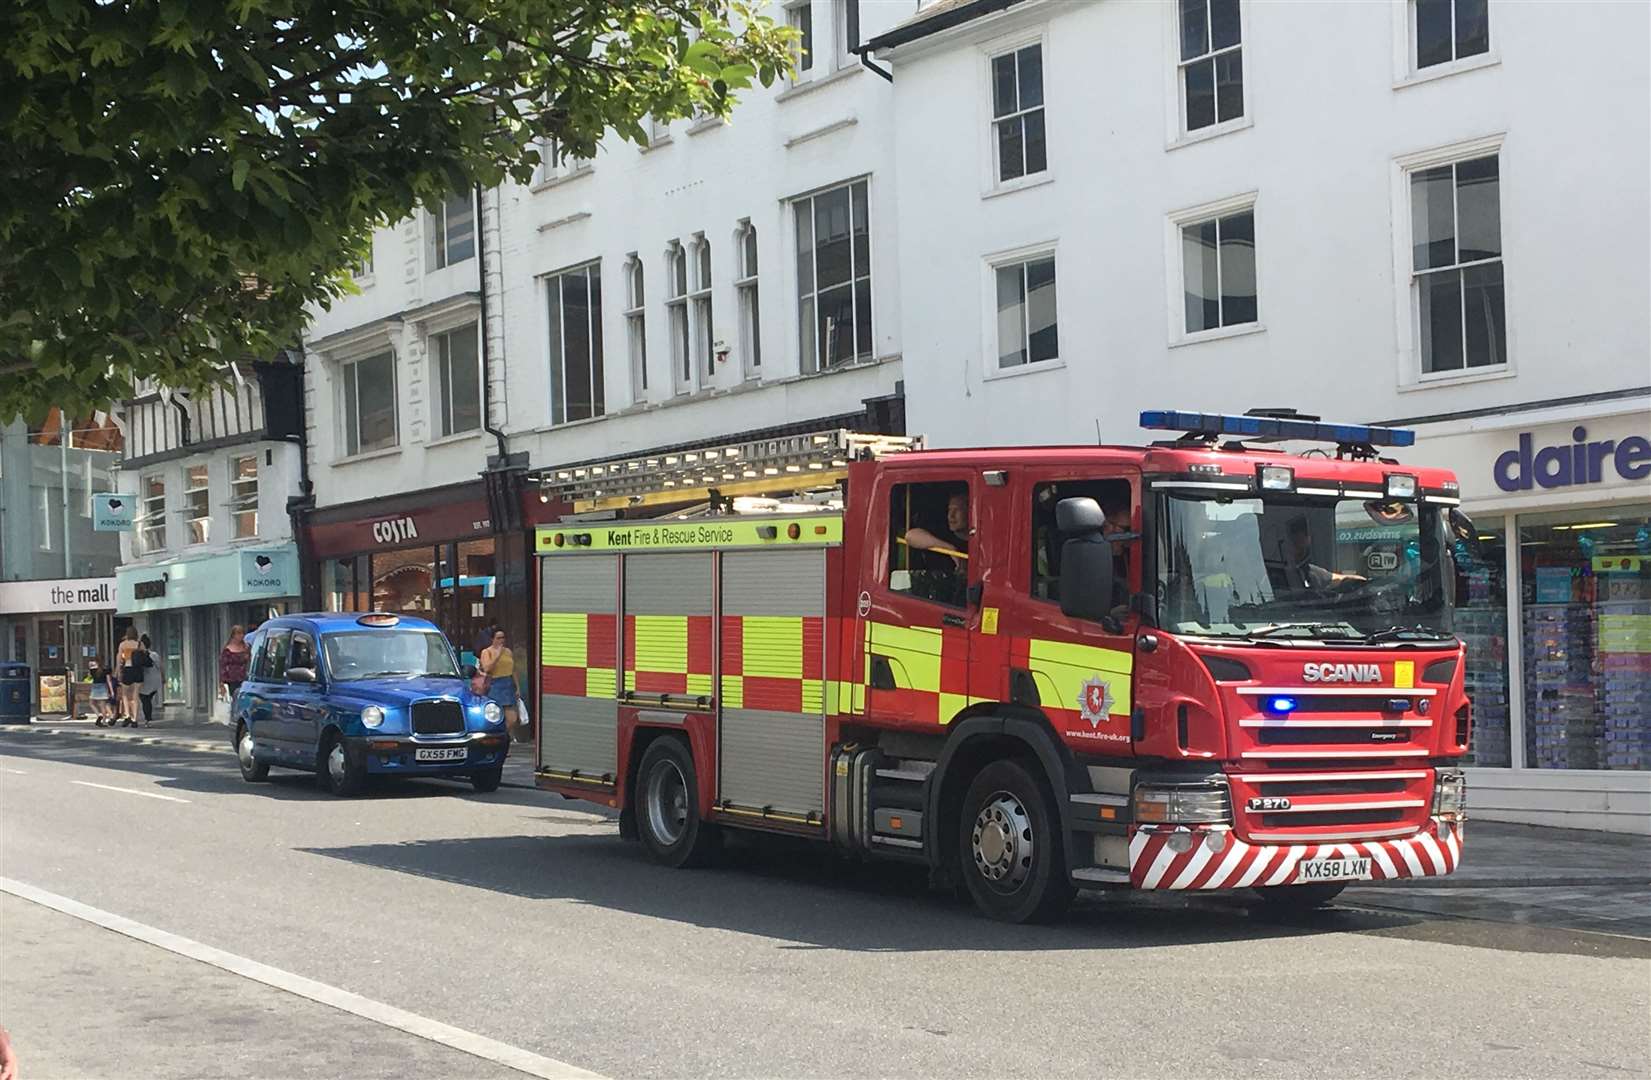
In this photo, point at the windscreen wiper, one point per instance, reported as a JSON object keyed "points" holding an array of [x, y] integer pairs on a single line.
{"points": [[1338, 629], [1393, 633]]}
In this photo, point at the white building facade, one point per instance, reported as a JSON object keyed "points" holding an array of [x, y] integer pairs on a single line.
{"points": [[1412, 211]]}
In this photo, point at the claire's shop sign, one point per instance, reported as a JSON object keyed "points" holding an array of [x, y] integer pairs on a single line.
{"points": [[1579, 461]]}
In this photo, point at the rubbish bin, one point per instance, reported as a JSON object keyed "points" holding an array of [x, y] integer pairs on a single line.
{"points": [[14, 693]]}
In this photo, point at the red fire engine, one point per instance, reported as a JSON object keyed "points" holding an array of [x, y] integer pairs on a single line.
{"points": [[1202, 664]]}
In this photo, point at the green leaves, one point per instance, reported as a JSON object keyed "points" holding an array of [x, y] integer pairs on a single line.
{"points": [[184, 179]]}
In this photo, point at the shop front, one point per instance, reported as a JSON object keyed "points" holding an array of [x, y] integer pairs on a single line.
{"points": [[433, 555], [188, 606], [61, 628], [1555, 610]]}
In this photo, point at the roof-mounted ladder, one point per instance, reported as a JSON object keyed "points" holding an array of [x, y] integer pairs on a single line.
{"points": [[778, 466]]}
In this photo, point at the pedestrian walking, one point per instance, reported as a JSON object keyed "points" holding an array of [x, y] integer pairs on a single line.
{"points": [[104, 694], [498, 663], [232, 664], [130, 677], [150, 688]]}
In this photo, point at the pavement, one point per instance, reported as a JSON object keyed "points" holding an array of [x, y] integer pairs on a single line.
{"points": [[523, 919]]}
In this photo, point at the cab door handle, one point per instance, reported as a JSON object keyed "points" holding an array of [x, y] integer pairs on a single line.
{"points": [[953, 620]]}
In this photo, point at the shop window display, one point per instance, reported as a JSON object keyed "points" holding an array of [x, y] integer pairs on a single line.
{"points": [[1482, 624], [404, 581], [1585, 587]]}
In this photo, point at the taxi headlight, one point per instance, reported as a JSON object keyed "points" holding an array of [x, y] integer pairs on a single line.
{"points": [[492, 713], [1183, 804], [1450, 795], [372, 716]]}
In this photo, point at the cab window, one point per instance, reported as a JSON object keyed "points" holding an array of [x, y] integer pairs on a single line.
{"points": [[930, 527], [301, 653], [272, 662], [1115, 501]]}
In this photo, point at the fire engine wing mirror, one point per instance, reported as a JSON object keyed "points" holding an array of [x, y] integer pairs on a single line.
{"points": [[1086, 577], [1079, 517], [1462, 528]]}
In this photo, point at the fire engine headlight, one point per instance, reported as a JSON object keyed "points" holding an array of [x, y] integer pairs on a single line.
{"points": [[1275, 478], [1401, 486], [492, 713], [372, 716], [1183, 804], [1450, 795]]}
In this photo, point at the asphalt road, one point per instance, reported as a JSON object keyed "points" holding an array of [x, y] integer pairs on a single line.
{"points": [[524, 919]]}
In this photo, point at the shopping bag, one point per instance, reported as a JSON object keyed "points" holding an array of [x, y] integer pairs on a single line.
{"points": [[220, 708]]}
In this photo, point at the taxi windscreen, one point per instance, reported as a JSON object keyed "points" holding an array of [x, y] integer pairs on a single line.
{"points": [[385, 654]]}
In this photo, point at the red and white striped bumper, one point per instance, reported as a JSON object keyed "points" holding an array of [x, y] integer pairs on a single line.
{"points": [[1215, 859]]}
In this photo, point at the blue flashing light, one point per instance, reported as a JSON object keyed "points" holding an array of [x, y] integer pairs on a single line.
{"points": [[1281, 704], [1272, 427]]}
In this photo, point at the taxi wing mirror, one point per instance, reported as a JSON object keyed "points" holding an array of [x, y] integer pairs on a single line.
{"points": [[469, 671]]}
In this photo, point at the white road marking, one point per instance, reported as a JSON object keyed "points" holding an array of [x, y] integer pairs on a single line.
{"points": [[129, 791], [15, 772], [434, 1030]]}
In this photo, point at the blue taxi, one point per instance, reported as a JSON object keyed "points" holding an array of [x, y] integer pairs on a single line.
{"points": [[347, 696]]}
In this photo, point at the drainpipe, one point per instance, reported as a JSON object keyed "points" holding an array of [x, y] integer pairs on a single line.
{"points": [[854, 42], [481, 281]]}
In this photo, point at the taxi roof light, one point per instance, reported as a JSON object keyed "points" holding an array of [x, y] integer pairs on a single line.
{"points": [[378, 618]]}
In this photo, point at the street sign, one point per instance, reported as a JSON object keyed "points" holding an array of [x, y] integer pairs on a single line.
{"points": [[113, 512]]}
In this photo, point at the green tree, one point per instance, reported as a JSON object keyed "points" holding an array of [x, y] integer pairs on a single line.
{"points": [[180, 179]]}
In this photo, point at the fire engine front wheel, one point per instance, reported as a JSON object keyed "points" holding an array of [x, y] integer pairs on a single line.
{"points": [[668, 815], [1009, 846]]}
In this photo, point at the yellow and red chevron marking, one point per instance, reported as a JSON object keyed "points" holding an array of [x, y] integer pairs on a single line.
{"points": [[577, 654], [668, 654], [773, 662], [1434, 851]]}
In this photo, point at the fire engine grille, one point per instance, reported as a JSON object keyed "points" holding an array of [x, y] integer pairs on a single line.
{"points": [[437, 717], [1332, 736], [1347, 800]]}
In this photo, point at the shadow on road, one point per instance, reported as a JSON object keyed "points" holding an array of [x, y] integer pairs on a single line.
{"points": [[194, 771]]}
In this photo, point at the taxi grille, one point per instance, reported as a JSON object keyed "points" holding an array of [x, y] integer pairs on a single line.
{"points": [[437, 717]]}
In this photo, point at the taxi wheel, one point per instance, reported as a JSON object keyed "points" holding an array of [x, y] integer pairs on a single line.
{"points": [[252, 770], [338, 771], [667, 812], [1289, 900], [1009, 846], [487, 779]]}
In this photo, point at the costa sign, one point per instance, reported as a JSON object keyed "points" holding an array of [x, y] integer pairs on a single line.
{"points": [[1578, 462], [399, 530]]}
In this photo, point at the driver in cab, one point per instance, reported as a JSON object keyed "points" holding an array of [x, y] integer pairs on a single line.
{"points": [[1299, 571], [945, 557]]}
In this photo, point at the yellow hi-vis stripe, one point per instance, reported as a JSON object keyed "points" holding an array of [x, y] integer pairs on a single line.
{"points": [[662, 644], [1064, 667], [562, 639], [1083, 656], [599, 682], [733, 692], [772, 646], [913, 653]]}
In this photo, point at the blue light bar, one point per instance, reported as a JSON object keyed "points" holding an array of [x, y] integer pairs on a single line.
{"points": [[1272, 427]]}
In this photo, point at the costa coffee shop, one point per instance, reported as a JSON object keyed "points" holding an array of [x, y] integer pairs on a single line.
{"points": [[433, 554], [1556, 608]]}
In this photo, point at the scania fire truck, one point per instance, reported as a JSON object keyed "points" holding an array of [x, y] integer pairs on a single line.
{"points": [[1217, 662]]}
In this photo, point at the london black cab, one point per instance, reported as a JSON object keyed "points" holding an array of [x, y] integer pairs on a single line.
{"points": [[347, 696]]}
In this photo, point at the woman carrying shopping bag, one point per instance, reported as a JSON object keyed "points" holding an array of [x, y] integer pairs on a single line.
{"points": [[233, 661]]}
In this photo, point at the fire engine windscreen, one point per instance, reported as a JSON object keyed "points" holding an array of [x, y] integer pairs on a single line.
{"points": [[1297, 566], [385, 654]]}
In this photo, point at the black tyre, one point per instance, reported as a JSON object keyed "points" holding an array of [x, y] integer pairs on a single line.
{"points": [[1298, 899], [667, 807], [252, 770], [487, 779], [339, 770], [1010, 852]]}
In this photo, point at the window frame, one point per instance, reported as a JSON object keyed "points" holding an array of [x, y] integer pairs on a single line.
{"points": [[195, 499], [990, 53], [702, 312], [292, 649], [436, 247], [1410, 376], [807, 69], [991, 264], [153, 519], [1405, 71], [556, 166], [1126, 477], [813, 295], [944, 477], [678, 322], [441, 362], [1175, 260], [1177, 134], [351, 369], [636, 325], [241, 501], [551, 291], [747, 267]]}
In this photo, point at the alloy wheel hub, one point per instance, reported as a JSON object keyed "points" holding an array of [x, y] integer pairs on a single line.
{"points": [[1001, 841]]}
